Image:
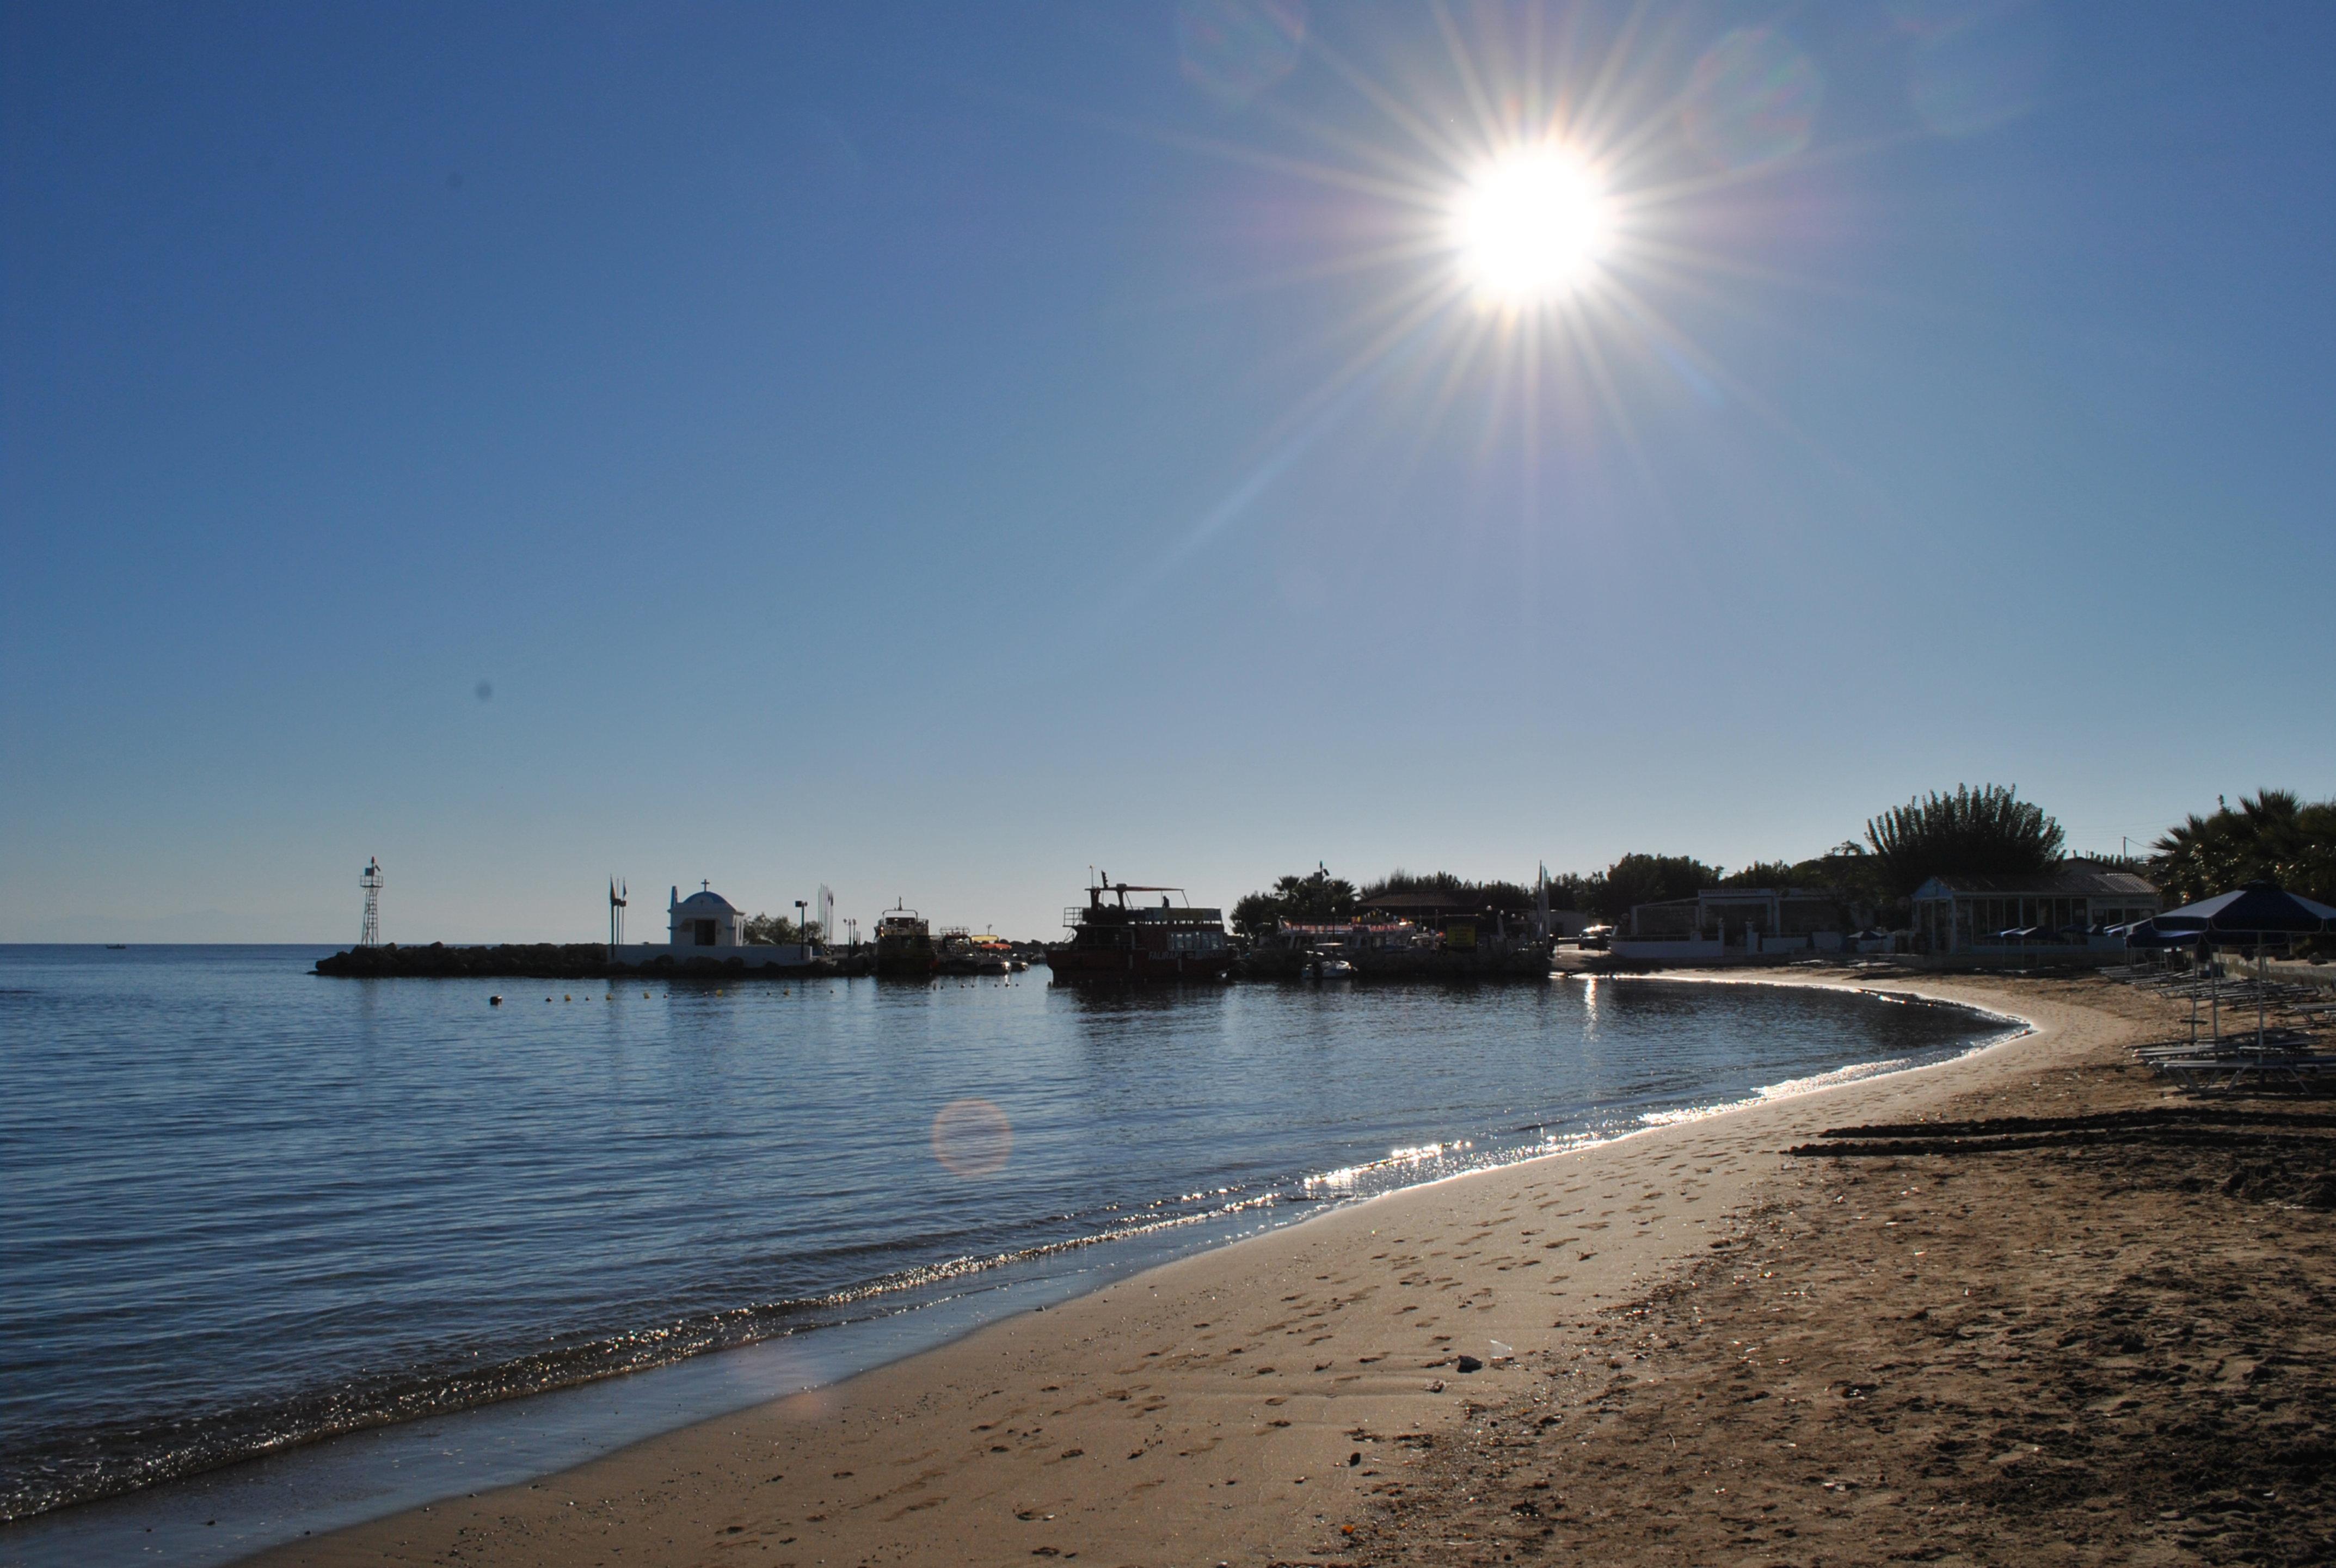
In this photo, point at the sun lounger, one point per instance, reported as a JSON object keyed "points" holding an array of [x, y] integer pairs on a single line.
{"points": [[2229, 1071]]}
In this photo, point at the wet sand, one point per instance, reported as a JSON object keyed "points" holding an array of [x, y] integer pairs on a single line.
{"points": [[1697, 1348]]}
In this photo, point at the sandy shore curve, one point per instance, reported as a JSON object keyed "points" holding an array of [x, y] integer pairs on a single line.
{"points": [[1272, 1401]]}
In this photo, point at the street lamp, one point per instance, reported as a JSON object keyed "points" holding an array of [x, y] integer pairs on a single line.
{"points": [[801, 930]]}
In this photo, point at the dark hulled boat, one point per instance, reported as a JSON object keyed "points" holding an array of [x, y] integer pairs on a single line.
{"points": [[904, 945], [1166, 942]]}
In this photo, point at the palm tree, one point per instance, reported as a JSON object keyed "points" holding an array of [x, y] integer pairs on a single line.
{"points": [[1984, 832], [2274, 836]]}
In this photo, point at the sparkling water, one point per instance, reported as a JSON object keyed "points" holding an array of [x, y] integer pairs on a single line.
{"points": [[246, 1207]]}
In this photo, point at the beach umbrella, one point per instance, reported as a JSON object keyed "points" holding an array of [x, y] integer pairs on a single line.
{"points": [[2251, 915], [2149, 934], [2256, 911]]}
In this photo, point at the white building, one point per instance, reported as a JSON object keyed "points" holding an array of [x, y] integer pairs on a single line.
{"points": [[1722, 925], [703, 919], [707, 933], [2068, 904]]}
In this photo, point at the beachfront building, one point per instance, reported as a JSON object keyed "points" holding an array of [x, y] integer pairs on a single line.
{"points": [[1720, 924], [2072, 904]]}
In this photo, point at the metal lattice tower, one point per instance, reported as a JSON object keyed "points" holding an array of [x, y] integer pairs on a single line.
{"points": [[370, 881]]}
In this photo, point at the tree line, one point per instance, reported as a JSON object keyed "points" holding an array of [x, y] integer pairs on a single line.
{"points": [[2277, 836], [1985, 829]]}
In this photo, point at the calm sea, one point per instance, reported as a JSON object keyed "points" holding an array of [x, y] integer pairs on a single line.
{"points": [[245, 1206]]}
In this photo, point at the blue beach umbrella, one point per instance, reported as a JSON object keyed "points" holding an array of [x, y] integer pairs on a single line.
{"points": [[2256, 911], [2251, 916], [2147, 934]]}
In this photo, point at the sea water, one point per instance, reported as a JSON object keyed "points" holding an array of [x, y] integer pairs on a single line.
{"points": [[246, 1207]]}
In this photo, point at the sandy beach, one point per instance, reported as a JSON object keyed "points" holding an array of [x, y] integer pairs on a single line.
{"points": [[2102, 1337]]}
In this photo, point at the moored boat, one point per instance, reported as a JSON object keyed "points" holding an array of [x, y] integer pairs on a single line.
{"points": [[964, 952], [1113, 937], [904, 944]]}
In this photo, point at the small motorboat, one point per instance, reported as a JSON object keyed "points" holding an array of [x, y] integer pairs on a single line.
{"points": [[1329, 966]]}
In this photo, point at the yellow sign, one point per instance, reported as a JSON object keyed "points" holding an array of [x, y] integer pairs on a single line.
{"points": [[1461, 934]]}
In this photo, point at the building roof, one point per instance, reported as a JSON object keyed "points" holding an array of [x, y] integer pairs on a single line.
{"points": [[1423, 902], [708, 902], [1789, 895], [2070, 879]]}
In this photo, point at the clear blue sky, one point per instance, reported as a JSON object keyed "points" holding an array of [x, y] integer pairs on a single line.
{"points": [[932, 451]]}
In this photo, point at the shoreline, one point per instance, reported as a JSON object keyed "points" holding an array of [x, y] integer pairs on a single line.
{"points": [[1386, 1374], [329, 1484], [2079, 1319]]}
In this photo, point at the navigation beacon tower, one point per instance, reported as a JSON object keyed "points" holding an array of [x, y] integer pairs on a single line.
{"points": [[370, 881]]}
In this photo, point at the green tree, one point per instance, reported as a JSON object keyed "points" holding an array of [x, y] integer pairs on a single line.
{"points": [[1853, 877], [1315, 896], [1642, 879], [1762, 875], [2277, 836], [1514, 897], [1254, 915], [1571, 891], [1400, 881], [1984, 832], [778, 930]]}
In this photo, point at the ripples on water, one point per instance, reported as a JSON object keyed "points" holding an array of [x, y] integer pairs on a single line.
{"points": [[247, 1206]]}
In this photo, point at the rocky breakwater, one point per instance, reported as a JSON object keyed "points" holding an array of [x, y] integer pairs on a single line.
{"points": [[539, 961], [553, 961]]}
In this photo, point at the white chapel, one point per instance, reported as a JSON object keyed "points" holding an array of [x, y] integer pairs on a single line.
{"points": [[704, 920]]}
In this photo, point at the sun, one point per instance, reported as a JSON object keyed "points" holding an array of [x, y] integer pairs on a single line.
{"points": [[1532, 225]]}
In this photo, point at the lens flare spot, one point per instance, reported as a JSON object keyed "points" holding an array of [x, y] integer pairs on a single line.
{"points": [[1752, 100], [810, 1404], [1533, 224], [972, 1138], [1233, 50]]}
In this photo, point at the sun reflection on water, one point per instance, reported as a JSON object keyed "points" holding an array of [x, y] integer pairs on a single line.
{"points": [[1346, 1177]]}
